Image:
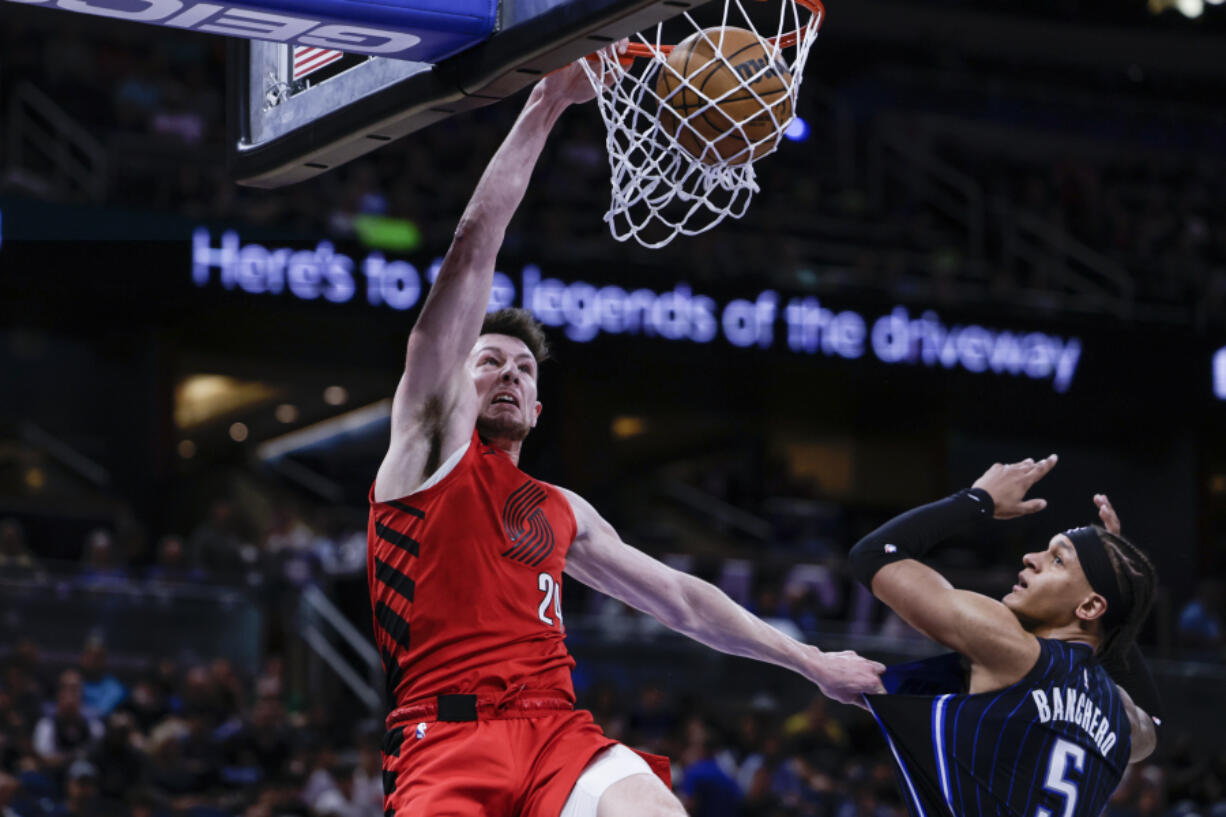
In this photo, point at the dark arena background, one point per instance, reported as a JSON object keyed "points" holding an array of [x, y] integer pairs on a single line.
{"points": [[1002, 233]]}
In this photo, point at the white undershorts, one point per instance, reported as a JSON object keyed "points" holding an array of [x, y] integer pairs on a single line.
{"points": [[608, 767]]}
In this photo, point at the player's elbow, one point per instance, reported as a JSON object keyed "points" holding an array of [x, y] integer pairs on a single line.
{"points": [[473, 235], [1144, 740], [676, 606], [466, 231], [697, 606]]}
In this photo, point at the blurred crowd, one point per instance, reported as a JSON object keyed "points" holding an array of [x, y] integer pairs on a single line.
{"points": [[798, 579], [764, 759], [80, 740], [197, 736]]}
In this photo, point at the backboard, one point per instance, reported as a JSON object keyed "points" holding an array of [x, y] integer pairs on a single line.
{"points": [[298, 110]]}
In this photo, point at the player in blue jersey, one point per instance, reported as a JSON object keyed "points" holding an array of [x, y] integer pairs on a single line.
{"points": [[1023, 719]]}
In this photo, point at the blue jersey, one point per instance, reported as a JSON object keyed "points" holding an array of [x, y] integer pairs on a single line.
{"points": [[1054, 744]]}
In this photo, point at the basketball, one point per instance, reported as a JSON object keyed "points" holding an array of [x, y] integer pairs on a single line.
{"points": [[722, 97]]}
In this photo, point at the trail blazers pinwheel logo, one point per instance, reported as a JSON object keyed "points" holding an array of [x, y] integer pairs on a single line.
{"points": [[527, 527]]}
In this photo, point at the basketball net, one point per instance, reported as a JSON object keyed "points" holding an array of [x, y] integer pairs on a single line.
{"points": [[660, 188]]}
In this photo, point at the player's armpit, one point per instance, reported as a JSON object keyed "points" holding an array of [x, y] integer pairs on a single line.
{"points": [[973, 624], [426, 429]]}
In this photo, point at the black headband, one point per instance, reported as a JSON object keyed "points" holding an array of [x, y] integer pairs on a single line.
{"points": [[1096, 564]]}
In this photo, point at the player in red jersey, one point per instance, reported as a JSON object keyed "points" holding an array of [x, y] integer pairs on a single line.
{"points": [[466, 555]]}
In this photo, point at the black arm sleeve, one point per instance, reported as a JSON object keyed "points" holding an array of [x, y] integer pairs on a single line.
{"points": [[1134, 676], [915, 532]]}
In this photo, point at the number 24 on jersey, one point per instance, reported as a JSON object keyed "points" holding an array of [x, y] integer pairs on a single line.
{"points": [[552, 598]]}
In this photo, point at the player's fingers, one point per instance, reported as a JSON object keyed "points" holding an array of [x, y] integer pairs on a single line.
{"points": [[1032, 506], [1040, 469], [1106, 512]]}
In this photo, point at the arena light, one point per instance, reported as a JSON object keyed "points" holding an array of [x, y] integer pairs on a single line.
{"points": [[626, 426], [387, 233], [798, 131], [1190, 8], [201, 398], [1219, 374], [319, 432], [336, 395]]}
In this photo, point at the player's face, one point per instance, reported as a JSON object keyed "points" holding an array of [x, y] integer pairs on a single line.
{"points": [[1051, 587], [503, 371]]}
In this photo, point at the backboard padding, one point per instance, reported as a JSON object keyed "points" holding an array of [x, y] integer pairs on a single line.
{"points": [[388, 99]]}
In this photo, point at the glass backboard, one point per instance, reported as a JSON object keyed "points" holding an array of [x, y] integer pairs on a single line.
{"points": [[298, 110]]}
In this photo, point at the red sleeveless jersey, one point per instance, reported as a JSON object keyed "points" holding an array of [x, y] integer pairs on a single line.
{"points": [[465, 583]]}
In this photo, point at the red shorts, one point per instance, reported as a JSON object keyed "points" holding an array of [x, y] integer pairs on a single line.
{"points": [[513, 763]]}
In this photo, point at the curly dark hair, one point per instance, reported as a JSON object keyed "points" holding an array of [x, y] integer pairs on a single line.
{"points": [[519, 323], [1138, 582]]}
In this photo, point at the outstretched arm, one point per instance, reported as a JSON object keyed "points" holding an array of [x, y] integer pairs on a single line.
{"points": [[435, 408], [979, 627], [600, 559]]}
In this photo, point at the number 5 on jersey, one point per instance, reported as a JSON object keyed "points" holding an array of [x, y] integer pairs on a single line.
{"points": [[553, 596], [1063, 754]]}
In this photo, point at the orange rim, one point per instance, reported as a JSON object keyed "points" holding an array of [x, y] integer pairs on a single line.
{"points": [[644, 51]]}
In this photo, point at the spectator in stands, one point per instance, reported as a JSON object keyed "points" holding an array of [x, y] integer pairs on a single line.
{"points": [[813, 728], [168, 772], [66, 733], [101, 692], [264, 742], [757, 778], [103, 568], [1192, 774], [367, 793], [198, 752], [199, 695], [336, 800], [705, 787], [653, 720], [227, 687], [165, 677], [8, 788], [866, 800], [16, 720], [279, 797], [216, 546], [146, 704], [81, 788], [172, 566], [14, 732], [119, 763], [23, 682], [15, 557], [271, 681], [1200, 620], [142, 803]]}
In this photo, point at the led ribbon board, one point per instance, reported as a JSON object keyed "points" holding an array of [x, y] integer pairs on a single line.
{"points": [[420, 30]]}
